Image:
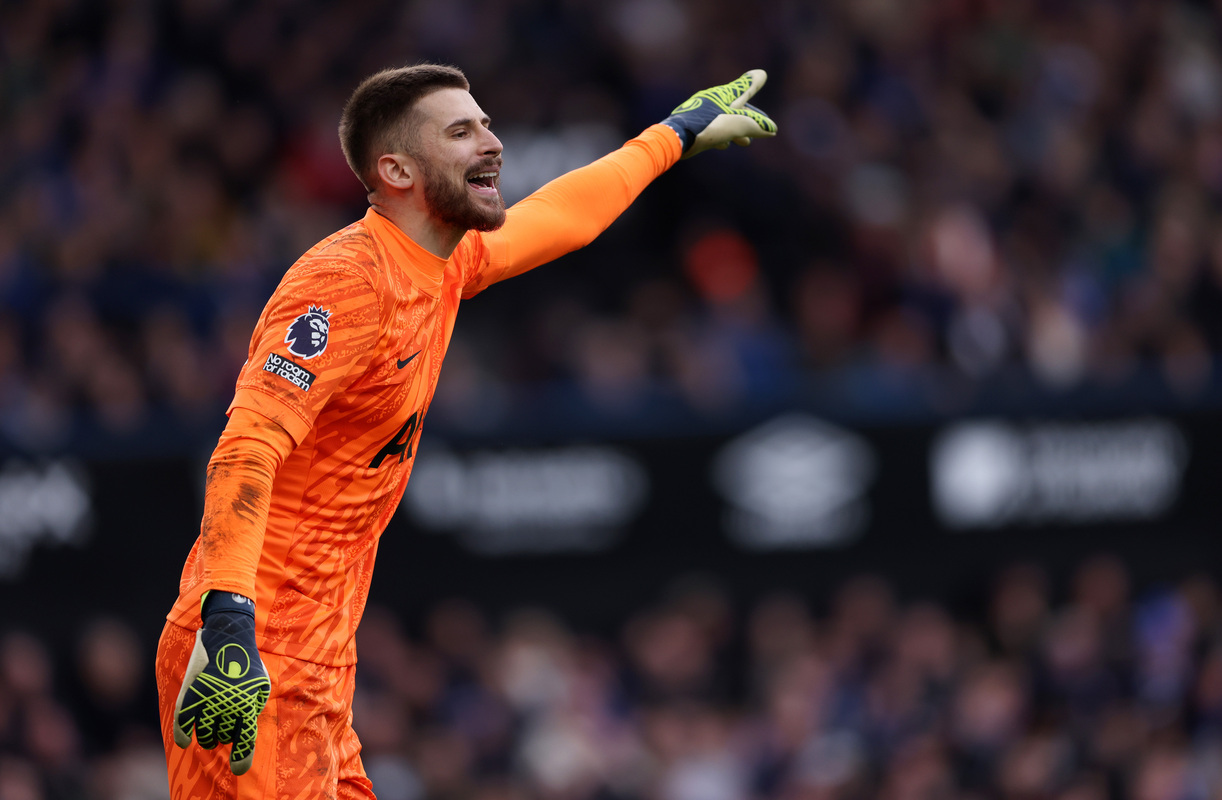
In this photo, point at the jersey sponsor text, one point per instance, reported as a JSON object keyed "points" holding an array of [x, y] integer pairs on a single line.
{"points": [[300, 377]]}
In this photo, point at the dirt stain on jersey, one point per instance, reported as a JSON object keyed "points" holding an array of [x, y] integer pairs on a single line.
{"points": [[251, 501]]}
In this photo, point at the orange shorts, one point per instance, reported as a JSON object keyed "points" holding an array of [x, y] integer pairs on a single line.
{"points": [[306, 746]]}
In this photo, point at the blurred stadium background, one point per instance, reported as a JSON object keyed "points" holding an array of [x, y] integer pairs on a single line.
{"points": [[876, 461]]}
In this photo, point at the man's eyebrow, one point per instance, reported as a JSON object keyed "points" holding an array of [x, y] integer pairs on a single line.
{"points": [[467, 122]]}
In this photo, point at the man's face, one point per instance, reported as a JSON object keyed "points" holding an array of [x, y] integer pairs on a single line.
{"points": [[460, 162]]}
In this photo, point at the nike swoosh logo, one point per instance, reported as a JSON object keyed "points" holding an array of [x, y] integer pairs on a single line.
{"points": [[408, 360]]}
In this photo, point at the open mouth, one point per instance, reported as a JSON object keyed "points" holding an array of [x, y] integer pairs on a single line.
{"points": [[484, 181]]}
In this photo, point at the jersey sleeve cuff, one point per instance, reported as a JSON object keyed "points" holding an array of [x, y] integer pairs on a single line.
{"points": [[667, 137], [273, 409]]}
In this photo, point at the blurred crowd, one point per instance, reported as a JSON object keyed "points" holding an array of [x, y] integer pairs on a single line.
{"points": [[1087, 688], [971, 188]]}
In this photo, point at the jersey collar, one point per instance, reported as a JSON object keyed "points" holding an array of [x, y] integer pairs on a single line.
{"points": [[425, 269]]}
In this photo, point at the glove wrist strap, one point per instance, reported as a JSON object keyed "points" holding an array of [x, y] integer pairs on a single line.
{"points": [[685, 135], [226, 601]]}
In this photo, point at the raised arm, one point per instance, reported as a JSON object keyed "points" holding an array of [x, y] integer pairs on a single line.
{"points": [[570, 211]]}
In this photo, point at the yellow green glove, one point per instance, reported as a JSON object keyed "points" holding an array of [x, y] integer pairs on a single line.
{"points": [[720, 115], [226, 685]]}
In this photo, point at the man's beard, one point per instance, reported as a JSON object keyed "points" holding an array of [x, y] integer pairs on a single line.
{"points": [[451, 204]]}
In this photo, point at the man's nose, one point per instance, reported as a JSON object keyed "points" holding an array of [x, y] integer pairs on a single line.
{"points": [[492, 145]]}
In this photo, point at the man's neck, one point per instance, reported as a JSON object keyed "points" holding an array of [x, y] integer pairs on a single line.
{"points": [[421, 228]]}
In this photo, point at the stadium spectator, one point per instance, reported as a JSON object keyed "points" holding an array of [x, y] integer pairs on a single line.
{"points": [[963, 188], [698, 697]]}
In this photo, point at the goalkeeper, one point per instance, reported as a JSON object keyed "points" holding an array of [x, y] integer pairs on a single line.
{"points": [[255, 664]]}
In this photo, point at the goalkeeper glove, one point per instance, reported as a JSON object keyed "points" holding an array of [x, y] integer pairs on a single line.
{"points": [[226, 685], [720, 115]]}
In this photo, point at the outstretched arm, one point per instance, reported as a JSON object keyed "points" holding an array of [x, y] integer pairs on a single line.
{"points": [[569, 212]]}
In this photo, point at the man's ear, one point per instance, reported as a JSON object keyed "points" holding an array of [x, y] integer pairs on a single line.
{"points": [[397, 170]]}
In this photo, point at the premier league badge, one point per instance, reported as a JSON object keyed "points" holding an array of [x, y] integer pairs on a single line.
{"points": [[307, 335]]}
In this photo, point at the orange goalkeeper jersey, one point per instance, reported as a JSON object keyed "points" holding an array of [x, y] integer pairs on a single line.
{"points": [[345, 357]]}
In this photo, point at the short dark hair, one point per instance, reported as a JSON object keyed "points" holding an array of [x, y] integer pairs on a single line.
{"points": [[377, 118]]}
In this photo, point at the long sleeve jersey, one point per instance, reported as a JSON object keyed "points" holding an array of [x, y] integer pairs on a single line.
{"points": [[345, 358]]}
